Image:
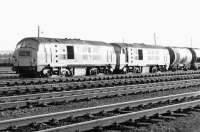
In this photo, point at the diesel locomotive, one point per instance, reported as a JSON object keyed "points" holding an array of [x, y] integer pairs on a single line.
{"points": [[37, 56]]}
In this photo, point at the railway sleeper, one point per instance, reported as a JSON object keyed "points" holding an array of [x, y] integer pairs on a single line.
{"points": [[62, 79], [145, 121], [167, 115], [84, 98], [122, 83]]}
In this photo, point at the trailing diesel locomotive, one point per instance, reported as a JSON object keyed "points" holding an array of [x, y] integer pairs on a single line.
{"points": [[69, 57]]}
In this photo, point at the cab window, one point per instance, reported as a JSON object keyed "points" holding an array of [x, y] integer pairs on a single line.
{"points": [[70, 52], [123, 51], [140, 54], [24, 53]]}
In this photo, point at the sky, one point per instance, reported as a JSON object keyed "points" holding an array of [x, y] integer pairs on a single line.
{"points": [[175, 22]]}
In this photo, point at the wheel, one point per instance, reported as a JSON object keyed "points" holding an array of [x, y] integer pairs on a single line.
{"points": [[46, 73], [137, 70], [68, 73], [154, 69]]}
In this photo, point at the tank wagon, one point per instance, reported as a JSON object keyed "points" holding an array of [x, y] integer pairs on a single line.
{"points": [[70, 57], [181, 58]]}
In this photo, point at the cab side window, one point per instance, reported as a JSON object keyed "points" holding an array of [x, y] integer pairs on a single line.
{"points": [[70, 52], [123, 51], [140, 54]]}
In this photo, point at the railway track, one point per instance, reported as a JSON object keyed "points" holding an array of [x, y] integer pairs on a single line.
{"points": [[7, 73], [5, 68], [106, 115], [33, 89], [8, 76], [55, 98], [31, 81]]}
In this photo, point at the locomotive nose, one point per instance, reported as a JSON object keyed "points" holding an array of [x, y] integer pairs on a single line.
{"points": [[26, 58]]}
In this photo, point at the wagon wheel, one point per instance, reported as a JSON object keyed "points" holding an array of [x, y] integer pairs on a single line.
{"points": [[48, 74], [137, 70], [68, 73], [125, 70], [195, 67], [154, 69]]}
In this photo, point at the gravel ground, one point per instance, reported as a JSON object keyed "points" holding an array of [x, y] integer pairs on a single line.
{"points": [[83, 104], [190, 123]]}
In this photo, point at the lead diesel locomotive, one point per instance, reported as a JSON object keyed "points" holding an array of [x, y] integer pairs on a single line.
{"points": [[68, 57]]}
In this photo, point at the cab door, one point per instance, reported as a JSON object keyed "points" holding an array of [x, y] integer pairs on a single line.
{"points": [[123, 57]]}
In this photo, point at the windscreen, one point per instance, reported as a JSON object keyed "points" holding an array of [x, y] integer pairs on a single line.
{"points": [[24, 53]]}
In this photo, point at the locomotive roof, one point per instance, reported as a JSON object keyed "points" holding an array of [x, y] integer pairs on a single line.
{"points": [[138, 45], [146, 45], [66, 40], [180, 47]]}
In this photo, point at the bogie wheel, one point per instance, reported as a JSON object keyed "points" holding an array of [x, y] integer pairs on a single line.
{"points": [[68, 74], [154, 69]]}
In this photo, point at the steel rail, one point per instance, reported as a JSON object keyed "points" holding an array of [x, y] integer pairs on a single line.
{"points": [[88, 84], [89, 91], [92, 110], [88, 125], [25, 81], [44, 99], [7, 72]]}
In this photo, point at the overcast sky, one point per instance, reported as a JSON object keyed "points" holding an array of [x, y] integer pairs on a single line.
{"points": [[175, 22]]}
